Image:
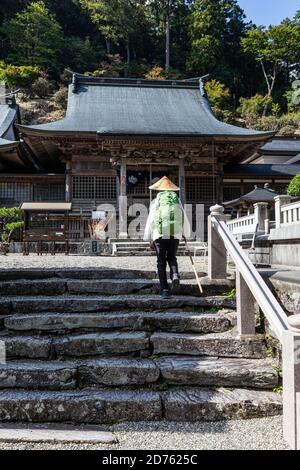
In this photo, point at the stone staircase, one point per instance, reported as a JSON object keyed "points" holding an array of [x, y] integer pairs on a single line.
{"points": [[141, 248], [100, 346]]}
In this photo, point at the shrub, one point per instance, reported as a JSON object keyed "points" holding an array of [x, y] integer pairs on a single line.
{"points": [[218, 94], [22, 76], [10, 223], [42, 87], [156, 73], [252, 108], [61, 97], [294, 186], [287, 130]]}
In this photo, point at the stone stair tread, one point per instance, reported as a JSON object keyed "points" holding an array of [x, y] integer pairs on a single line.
{"points": [[85, 406], [58, 375], [38, 375], [177, 321], [225, 372], [79, 303], [196, 404], [101, 344], [214, 344], [115, 405]]}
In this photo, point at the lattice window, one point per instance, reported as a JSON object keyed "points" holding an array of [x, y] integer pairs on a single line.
{"points": [[94, 187], [17, 192], [231, 192], [141, 188], [199, 189], [49, 192]]}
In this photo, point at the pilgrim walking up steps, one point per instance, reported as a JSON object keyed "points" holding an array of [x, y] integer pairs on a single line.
{"points": [[166, 225], [99, 346]]}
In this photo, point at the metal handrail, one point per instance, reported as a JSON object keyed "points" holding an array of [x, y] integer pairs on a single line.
{"points": [[263, 295]]}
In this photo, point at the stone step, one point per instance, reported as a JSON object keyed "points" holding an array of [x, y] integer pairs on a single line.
{"points": [[112, 343], [96, 344], [72, 303], [175, 321], [55, 375], [84, 407], [114, 405], [38, 375], [54, 287], [219, 372], [195, 404], [74, 273], [117, 372], [221, 345]]}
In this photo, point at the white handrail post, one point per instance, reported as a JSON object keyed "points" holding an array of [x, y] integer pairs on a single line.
{"points": [[291, 383], [217, 253], [245, 305], [279, 202]]}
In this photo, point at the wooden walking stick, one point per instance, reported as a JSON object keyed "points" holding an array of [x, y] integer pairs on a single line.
{"points": [[194, 267]]}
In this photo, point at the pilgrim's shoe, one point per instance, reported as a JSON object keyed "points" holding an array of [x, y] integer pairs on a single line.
{"points": [[165, 294], [175, 281]]}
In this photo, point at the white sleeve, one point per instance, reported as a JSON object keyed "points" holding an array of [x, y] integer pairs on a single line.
{"points": [[149, 223], [186, 230]]}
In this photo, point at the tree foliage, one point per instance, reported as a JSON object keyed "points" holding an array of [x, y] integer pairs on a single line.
{"points": [[35, 37], [294, 186], [156, 39]]}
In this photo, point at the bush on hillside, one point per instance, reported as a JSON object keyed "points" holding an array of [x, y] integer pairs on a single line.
{"points": [[18, 76], [294, 186]]}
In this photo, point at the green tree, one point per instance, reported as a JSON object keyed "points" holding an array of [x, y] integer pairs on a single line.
{"points": [[215, 31], [166, 12], [275, 49], [14, 76], [35, 37], [120, 21], [294, 186]]}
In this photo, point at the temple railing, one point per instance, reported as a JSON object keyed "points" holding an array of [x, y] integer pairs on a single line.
{"points": [[287, 213], [243, 225], [252, 289]]}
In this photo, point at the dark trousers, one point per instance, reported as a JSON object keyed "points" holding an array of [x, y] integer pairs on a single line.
{"points": [[166, 250]]}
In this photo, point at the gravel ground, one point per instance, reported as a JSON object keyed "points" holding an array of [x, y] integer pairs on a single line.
{"points": [[144, 263], [255, 434]]}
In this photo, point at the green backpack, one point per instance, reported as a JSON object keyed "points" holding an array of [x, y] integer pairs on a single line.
{"points": [[168, 218]]}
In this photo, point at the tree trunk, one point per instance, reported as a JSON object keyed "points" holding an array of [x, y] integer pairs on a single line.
{"points": [[128, 52], [168, 34], [108, 46]]}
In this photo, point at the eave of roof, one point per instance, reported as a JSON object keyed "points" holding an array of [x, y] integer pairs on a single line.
{"points": [[116, 107], [263, 170]]}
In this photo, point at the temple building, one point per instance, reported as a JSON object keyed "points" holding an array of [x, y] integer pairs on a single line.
{"points": [[118, 134]]}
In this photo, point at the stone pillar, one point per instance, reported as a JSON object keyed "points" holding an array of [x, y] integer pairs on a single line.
{"points": [[123, 200], [68, 181], [279, 202], [217, 253], [291, 383], [245, 304], [261, 213], [182, 181]]}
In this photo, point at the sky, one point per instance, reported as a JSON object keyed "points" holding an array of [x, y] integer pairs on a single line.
{"points": [[266, 12]]}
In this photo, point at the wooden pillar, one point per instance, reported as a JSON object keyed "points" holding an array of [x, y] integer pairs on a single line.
{"points": [[182, 181], [123, 200], [68, 181]]}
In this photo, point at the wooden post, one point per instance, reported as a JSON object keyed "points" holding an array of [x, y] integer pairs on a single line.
{"points": [[217, 253], [245, 307], [182, 181], [123, 200], [291, 383], [68, 181]]}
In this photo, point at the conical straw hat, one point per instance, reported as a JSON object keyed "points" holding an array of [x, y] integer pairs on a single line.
{"points": [[164, 184]]}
